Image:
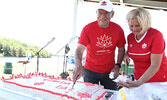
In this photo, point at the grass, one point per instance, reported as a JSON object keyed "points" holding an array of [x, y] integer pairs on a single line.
{"points": [[26, 68], [15, 70]]}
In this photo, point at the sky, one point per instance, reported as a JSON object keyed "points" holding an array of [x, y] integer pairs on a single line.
{"points": [[36, 22]]}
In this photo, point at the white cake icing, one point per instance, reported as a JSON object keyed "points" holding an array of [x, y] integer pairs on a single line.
{"points": [[51, 88]]}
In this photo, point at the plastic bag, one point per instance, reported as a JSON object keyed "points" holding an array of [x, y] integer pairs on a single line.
{"points": [[147, 91]]}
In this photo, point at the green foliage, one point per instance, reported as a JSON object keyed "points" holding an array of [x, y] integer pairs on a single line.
{"points": [[14, 48]]}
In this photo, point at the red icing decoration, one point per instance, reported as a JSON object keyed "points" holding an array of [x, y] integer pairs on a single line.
{"points": [[99, 97], [11, 77], [84, 95], [39, 83], [45, 74], [89, 84], [51, 76], [3, 78], [61, 87]]}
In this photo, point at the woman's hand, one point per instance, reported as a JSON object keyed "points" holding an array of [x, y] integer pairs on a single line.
{"points": [[129, 83]]}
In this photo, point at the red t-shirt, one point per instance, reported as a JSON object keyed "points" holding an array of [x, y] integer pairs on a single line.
{"points": [[101, 44], [140, 52]]}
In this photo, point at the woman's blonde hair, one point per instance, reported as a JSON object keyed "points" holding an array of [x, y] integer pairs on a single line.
{"points": [[143, 17]]}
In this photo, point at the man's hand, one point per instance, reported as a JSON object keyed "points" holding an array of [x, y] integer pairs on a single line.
{"points": [[77, 73], [126, 60], [116, 71]]}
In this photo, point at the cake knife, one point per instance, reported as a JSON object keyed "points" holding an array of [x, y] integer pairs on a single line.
{"points": [[74, 82]]}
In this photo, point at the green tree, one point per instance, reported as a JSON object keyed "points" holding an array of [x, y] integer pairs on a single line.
{"points": [[13, 51], [1, 48], [14, 48], [6, 50]]}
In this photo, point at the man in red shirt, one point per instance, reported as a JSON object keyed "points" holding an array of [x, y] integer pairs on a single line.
{"points": [[100, 39]]}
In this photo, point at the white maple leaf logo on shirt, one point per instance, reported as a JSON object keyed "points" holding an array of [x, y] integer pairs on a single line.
{"points": [[144, 45], [104, 41]]}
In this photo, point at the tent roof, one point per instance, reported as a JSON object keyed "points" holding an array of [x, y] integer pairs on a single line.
{"points": [[150, 4]]}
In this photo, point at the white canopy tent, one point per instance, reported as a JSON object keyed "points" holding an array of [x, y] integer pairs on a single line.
{"points": [[159, 4]]}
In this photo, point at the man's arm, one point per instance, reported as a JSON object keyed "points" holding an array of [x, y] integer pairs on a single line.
{"points": [[121, 52], [120, 56], [78, 71]]}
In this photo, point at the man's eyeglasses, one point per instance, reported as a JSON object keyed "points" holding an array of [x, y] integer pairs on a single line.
{"points": [[106, 13]]}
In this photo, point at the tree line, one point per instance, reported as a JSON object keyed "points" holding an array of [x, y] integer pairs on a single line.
{"points": [[15, 48]]}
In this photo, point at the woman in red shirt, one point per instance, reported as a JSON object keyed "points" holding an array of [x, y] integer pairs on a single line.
{"points": [[146, 47]]}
